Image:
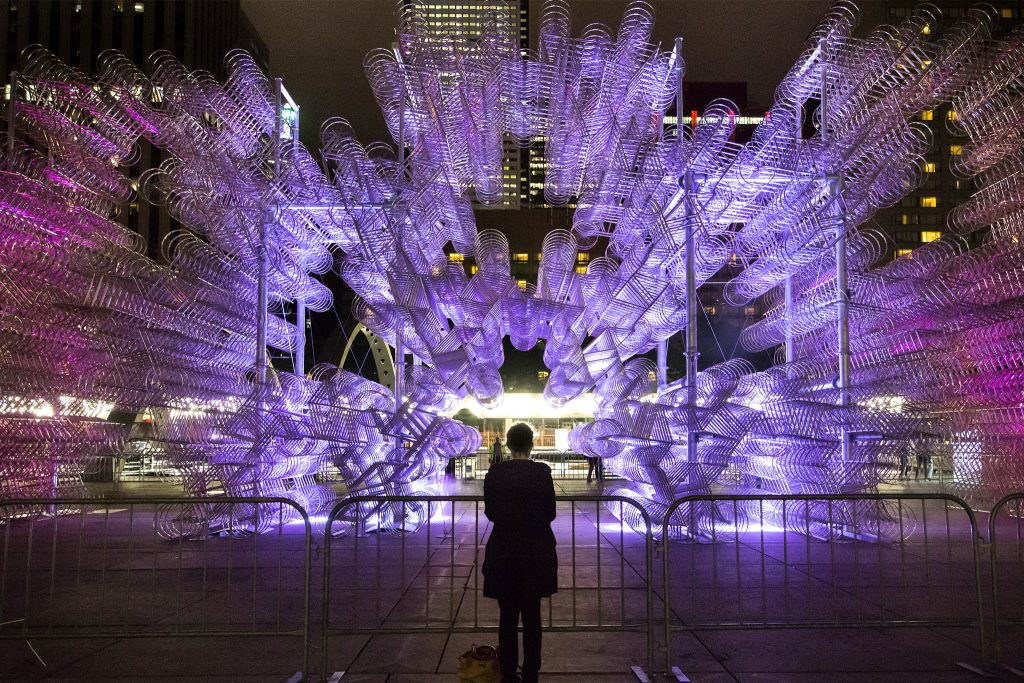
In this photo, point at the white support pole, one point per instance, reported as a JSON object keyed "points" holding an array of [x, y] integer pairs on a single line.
{"points": [[300, 306], [691, 295], [11, 113], [300, 338], [662, 365], [261, 251], [842, 294], [399, 342], [790, 344]]}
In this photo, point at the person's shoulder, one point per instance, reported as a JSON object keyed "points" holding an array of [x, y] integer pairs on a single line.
{"points": [[541, 466]]}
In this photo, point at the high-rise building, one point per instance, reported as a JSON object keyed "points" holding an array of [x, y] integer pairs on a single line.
{"points": [[469, 18], [920, 217], [198, 32]]}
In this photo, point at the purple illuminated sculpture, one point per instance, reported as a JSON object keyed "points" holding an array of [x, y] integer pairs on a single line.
{"points": [[879, 363]]}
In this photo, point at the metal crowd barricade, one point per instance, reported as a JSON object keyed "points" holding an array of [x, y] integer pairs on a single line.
{"points": [[412, 565], [842, 560], [131, 568], [1007, 520]]}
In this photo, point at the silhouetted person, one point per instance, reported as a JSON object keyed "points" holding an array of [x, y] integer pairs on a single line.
{"points": [[520, 565], [496, 454], [595, 467]]}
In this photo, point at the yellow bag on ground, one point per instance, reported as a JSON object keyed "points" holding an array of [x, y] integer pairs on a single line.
{"points": [[479, 664]]}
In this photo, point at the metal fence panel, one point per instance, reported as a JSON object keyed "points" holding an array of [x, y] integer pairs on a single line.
{"points": [[386, 574], [820, 560], [1006, 536], [155, 568]]}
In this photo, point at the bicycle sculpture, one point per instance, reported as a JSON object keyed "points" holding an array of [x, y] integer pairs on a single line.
{"points": [[881, 360]]}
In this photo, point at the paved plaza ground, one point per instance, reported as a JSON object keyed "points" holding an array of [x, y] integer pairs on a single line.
{"points": [[399, 582]]}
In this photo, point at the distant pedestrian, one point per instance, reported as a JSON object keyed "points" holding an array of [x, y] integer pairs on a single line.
{"points": [[595, 468], [904, 464], [520, 564], [496, 454], [924, 464]]}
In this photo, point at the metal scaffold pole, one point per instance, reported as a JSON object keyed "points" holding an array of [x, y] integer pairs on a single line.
{"points": [[790, 344], [689, 219], [835, 185], [399, 342], [300, 306], [11, 113]]}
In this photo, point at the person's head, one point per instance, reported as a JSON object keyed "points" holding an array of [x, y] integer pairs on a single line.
{"points": [[520, 439]]}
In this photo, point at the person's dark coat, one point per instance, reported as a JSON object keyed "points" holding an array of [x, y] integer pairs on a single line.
{"points": [[520, 559]]}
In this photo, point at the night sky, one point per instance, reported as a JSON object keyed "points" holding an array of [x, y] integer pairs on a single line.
{"points": [[318, 46]]}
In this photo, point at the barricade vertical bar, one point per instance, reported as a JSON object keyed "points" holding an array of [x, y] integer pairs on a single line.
{"points": [[903, 559], [325, 599], [764, 578], [649, 561], [306, 582], [53, 563], [622, 566], [881, 571], [255, 563], [597, 515], [832, 562], [785, 563], [206, 559], [376, 593], [666, 588], [28, 572], [426, 591], [155, 541], [451, 573], [927, 560], [280, 559], [807, 555], [693, 561], [128, 565], [231, 535], [572, 524], [856, 562], [476, 564], [177, 579], [401, 551], [78, 571], [736, 544], [714, 563], [8, 520], [949, 560]]}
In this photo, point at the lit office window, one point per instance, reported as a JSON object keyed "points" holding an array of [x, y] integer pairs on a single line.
{"points": [[583, 257], [458, 258], [750, 310], [930, 235], [543, 374], [927, 30], [955, 150], [520, 258], [909, 253], [473, 270], [1006, 13], [930, 167], [927, 115], [582, 270], [929, 202], [951, 115], [710, 310], [522, 284]]}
